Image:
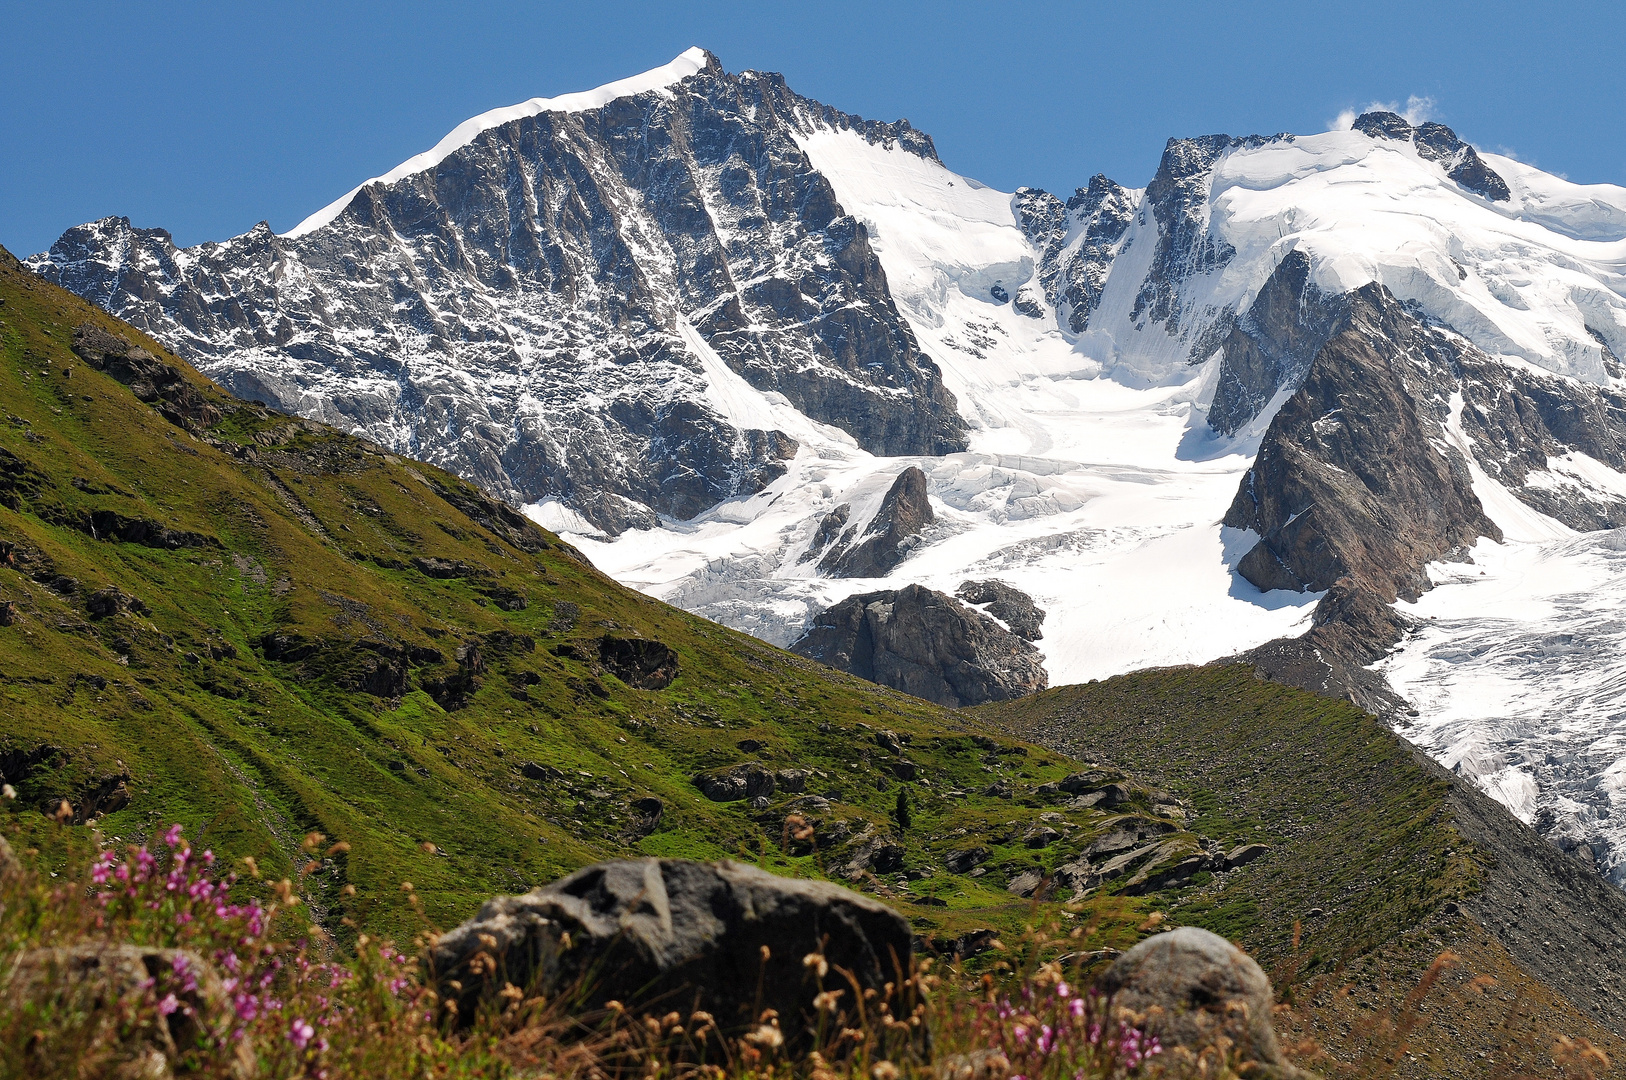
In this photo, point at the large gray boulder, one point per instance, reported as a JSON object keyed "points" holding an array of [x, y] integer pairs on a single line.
{"points": [[924, 643], [1193, 989], [673, 934]]}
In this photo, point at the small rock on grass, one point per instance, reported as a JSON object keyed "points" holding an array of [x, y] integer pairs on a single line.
{"points": [[1245, 854]]}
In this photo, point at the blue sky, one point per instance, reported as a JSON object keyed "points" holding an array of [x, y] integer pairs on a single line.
{"points": [[206, 118]]}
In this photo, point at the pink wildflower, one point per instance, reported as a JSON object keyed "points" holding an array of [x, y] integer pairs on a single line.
{"points": [[300, 1033]]}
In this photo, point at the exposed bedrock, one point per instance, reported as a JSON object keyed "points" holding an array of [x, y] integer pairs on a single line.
{"points": [[1271, 346], [890, 535], [1076, 243], [532, 311], [1353, 478], [1364, 476], [926, 644], [1438, 143], [1008, 604]]}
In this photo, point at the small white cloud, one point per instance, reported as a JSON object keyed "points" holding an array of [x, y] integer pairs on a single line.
{"points": [[1419, 110]]}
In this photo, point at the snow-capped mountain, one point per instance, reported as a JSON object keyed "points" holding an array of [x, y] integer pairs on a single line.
{"points": [[536, 302], [1306, 397]]}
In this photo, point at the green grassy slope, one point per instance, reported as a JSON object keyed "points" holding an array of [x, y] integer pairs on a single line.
{"points": [[1363, 847], [1380, 861]]}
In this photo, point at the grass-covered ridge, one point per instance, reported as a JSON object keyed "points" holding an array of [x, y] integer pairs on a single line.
{"points": [[1363, 849]]}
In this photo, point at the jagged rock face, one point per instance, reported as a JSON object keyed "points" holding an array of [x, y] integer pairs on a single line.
{"points": [[1436, 142], [1077, 243], [1364, 472], [1523, 422], [926, 644], [1350, 481], [1186, 247], [887, 540], [537, 311], [1272, 344], [1009, 605]]}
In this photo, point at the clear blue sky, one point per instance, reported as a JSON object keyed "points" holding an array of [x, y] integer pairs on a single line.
{"points": [[206, 118]]}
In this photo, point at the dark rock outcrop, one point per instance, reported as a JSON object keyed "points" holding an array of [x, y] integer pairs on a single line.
{"points": [[149, 378], [963, 862], [1178, 198], [886, 541], [926, 644], [1363, 477], [1009, 605], [1193, 989], [1273, 342], [370, 665], [872, 854], [110, 601], [1077, 243], [1352, 479], [640, 663], [1438, 143], [748, 781], [678, 934]]}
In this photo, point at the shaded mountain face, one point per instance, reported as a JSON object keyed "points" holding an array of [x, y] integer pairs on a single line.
{"points": [[549, 309]]}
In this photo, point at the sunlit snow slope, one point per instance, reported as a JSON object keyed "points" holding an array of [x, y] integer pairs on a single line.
{"points": [[1074, 489]]}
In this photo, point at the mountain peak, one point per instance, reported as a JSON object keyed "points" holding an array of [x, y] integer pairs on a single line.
{"points": [[691, 61]]}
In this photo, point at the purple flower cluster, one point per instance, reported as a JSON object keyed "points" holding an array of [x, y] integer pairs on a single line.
{"points": [[302, 1016], [1055, 1032], [173, 898]]}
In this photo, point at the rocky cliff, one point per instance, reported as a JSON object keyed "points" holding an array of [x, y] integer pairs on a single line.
{"points": [[926, 644], [551, 308]]}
